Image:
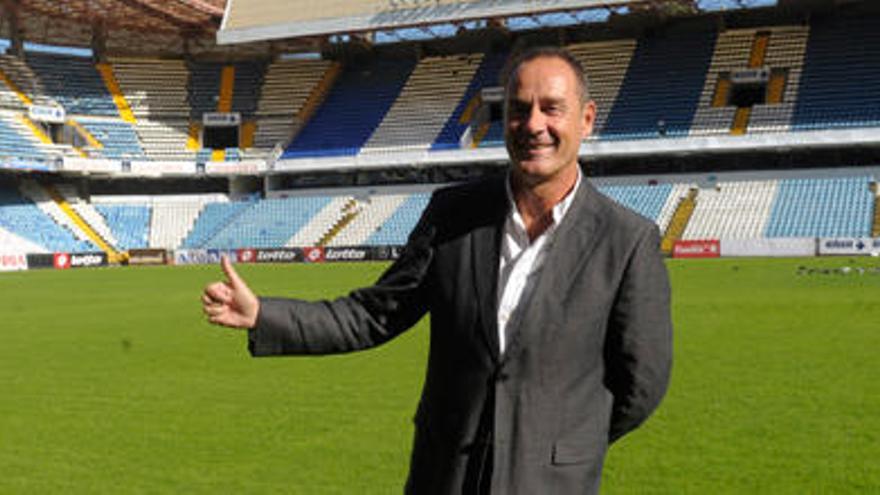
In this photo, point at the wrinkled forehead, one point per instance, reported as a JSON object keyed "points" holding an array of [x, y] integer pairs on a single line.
{"points": [[542, 77]]}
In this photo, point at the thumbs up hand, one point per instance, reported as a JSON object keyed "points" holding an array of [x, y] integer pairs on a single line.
{"points": [[230, 303]]}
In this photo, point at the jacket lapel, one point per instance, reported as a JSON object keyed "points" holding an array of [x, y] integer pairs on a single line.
{"points": [[573, 242], [486, 243]]}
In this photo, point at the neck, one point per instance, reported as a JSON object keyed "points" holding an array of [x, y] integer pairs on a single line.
{"points": [[535, 202]]}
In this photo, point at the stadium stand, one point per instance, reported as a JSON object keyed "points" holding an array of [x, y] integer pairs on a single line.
{"points": [[352, 110], [268, 223], [714, 115], [128, 219], [373, 215], [400, 223], [248, 84], [785, 52], [25, 219], [14, 244], [424, 105], [822, 207], [173, 217], [73, 82], [732, 210], [678, 192], [840, 84], [21, 78], [87, 212], [464, 117], [118, 138], [156, 91], [668, 83], [11, 97], [606, 63], [16, 141], [662, 86], [322, 223], [286, 90], [213, 218], [647, 200], [165, 139], [203, 89]]}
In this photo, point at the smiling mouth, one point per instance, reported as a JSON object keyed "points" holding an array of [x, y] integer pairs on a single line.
{"points": [[531, 149]]}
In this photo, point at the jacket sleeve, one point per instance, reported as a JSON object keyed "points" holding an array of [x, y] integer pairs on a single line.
{"points": [[365, 318], [638, 348]]}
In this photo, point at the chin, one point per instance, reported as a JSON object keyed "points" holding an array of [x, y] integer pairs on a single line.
{"points": [[535, 171]]}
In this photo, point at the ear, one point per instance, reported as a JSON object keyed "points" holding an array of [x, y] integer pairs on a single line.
{"points": [[589, 118]]}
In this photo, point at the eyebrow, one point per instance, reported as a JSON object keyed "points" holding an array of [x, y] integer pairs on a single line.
{"points": [[541, 101]]}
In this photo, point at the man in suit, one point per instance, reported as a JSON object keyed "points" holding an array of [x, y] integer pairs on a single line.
{"points": [[550, 322]]}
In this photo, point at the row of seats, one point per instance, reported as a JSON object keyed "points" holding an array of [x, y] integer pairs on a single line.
{"points": [[22, 218], [745, 209], [425, 103], [822, 207], [732, 210], [352, 109], [661, 84], [840, 85], [73, 82]]}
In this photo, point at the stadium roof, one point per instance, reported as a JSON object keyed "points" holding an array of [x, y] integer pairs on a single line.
{"points": [[256, 20], [194, 16]]}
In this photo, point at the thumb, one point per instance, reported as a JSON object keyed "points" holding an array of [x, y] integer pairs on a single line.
{"points": [[235, 281]]}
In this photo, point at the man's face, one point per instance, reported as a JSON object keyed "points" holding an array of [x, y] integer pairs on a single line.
{"points": [[545, 119]]}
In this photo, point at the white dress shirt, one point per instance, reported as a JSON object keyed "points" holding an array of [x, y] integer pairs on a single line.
{"points": [[521, 261]]}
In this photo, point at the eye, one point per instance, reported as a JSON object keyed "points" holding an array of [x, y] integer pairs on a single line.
{"points": [[518, 109], [552, 109]]}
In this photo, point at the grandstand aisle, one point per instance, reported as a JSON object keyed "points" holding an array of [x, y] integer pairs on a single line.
{"points": [[373, 214], [321, 224], [785, 53]]}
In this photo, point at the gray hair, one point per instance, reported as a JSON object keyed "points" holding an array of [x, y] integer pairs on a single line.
{"points": [[509, 74]]}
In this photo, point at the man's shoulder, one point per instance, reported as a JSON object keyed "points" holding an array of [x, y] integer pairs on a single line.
{"points": [[487, 188], [461, 208], [486, 194]]}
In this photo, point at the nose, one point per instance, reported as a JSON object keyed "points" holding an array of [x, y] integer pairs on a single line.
{"points": [[535, 121]]}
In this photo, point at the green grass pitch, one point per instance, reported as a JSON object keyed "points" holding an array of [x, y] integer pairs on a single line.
{"points": [[111, 382]]}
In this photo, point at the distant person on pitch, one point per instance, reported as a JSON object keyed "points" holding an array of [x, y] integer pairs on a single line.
{"points": [[550, 324]]}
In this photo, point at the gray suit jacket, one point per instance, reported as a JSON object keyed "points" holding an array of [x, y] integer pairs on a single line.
{"points": [[589, 361]]}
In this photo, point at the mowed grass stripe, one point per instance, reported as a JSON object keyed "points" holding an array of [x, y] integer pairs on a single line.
{"points": [[111, 382]]}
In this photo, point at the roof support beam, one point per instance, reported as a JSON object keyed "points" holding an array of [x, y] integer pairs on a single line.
{"points": [[16, 42], [163, 15]]}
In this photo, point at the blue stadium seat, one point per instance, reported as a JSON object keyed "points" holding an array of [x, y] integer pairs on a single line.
{"points": [[213, 218], [74, 83], [646, 200], [830, 207], [840, 82], [13, 144], [396, 229], [118, 138], [23, 218], [203, 88], [663, 83], [248, 87], [269, 223], [352, 109], [129, 223]]}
